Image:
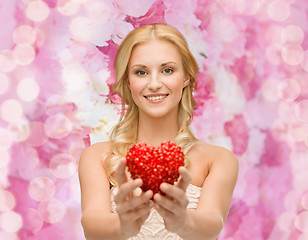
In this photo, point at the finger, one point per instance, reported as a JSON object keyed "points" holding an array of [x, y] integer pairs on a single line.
{"points": [[185, 178], [175, 194], [168, 205], [120, 172], [144, 217], [138, 213], [166, 214], [136, 202], [126, 189]]}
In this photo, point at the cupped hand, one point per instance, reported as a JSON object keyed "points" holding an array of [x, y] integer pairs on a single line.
{"points": [[173, 205], [133, 208]]}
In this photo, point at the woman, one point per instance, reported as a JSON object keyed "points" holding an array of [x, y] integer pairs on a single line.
{"points": [[156, 75]]}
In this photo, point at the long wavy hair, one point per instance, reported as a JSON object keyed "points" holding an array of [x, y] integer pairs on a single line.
{"points": [[125, 132]]}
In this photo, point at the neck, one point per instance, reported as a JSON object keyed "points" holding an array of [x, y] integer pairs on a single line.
{"points": [[153, 131]]}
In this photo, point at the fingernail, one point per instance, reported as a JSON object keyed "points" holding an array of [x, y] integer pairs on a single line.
{"points": [[163, 186], [138, 181], [156, 197]]}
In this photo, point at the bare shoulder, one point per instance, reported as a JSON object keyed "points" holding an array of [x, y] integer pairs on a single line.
{"points": [[214, 153], [207, 159], [95, 152]]}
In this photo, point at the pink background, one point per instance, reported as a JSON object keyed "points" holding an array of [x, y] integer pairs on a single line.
{"points": [[56, 60]]}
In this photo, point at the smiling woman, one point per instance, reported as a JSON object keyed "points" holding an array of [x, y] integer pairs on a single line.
{"points": [[156, 74]]}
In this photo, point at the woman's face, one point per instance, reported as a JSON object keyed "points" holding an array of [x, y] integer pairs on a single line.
{"points": [[156, 78]]}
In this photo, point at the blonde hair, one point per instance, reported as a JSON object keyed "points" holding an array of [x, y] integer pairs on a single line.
{"points": [[124, 133]]}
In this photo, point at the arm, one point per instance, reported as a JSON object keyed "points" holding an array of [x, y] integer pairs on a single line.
{"points": [[206, 222], [95, 197], [132, 210]]}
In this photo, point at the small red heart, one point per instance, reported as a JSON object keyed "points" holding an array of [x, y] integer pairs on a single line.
{"points": [[155, 165]]}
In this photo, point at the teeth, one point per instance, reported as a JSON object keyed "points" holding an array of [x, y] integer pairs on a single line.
{"points": [[156, 98]]}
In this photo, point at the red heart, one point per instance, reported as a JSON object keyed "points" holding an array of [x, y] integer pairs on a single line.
{"points": [[155, 165]]}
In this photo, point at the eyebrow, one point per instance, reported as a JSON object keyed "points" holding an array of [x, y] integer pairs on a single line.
{"points": [[144, 66]]}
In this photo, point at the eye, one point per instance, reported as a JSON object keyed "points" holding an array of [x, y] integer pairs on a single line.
{"points": [[141, 73], [168, 70]]}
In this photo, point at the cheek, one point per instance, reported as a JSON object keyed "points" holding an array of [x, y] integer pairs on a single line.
{"points": [[136, 86], [177, 86]]}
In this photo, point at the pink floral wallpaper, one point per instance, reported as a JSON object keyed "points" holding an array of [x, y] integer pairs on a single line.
{"points": [[56, 69]]}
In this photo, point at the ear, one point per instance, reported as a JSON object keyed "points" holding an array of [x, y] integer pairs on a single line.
{"points": [[127, 82], [186, 82]]}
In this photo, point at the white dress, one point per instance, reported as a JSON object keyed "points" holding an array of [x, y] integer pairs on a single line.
{"points": [[154, 228]]}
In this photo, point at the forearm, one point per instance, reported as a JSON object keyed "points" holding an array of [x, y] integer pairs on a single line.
{"points": [[99, 226], [200, 226]]}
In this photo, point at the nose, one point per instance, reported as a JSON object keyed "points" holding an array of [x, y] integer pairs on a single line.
{"points": [[154, 82]]}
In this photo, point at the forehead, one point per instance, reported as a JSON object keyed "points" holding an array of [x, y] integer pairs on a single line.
{"points": [[155, 51]]}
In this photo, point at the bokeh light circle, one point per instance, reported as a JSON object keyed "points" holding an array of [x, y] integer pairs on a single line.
{"points": [[52, 210], [4, 83], [37, 135], [288, 89], [41, 188], [4, 160], [58, 126], [301, 110], [11, 110], [37, 11], [292, 54], [298, 131], [292, 34], [7, 62], [28, 89], [68, 7], [76, 148], [30, 162], [10, 221], [63, 165], [278, 10], [32, 159], [5, 138], [33, 220], [7, 201], [301, 222], [24, 34], [20, 130], [23, 54], [284, 220], [301, 78]]}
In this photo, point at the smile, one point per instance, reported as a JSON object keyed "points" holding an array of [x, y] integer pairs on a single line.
{"points": [[157, 98]]}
